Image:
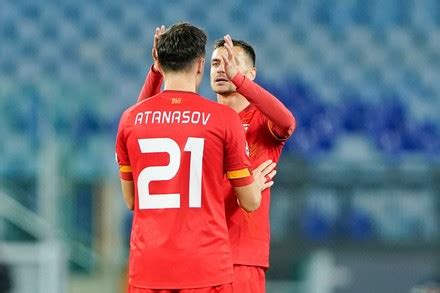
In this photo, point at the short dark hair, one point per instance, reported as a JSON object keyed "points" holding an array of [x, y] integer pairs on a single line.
{"points": [[239, 43], [180, 45]]}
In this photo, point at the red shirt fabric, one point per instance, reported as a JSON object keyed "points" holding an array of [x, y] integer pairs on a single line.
{"points": [[266, 133], [177, 147], [151, 85], [250, 232]]}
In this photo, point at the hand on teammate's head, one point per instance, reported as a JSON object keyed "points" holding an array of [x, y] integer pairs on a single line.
{"points": [[231, 67], [159, 30]]}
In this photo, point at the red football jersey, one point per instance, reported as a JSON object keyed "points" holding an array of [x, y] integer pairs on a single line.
{"points": [[176, 147], [250, 232]]}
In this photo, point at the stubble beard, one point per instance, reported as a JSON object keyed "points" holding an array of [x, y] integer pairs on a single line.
{"points": [[224, 90]]}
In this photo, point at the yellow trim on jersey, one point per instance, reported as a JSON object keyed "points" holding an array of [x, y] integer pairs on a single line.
{"points": [[236, 174], [125, 169]]}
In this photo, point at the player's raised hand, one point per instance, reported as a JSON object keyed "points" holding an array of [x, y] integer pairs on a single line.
{"points": [[264, 173], [159, 30], [231, 67]]}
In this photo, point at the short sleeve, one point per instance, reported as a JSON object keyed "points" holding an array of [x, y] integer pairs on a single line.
{"points": [[237, 163], [122, 158]]}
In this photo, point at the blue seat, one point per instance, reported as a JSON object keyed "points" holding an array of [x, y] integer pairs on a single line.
{"points": [[315, 225], [90, 30], [9, 30], [358, 225], [427, 135], [355, 115], [72, 12], [87, 124]]}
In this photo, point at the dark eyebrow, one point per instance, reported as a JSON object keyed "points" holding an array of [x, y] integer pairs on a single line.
{"points": [[215, 59]]}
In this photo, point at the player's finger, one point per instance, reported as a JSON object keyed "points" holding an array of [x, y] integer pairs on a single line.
{"points": [[228, 39], [158, 32], [228, 42], [271, 174], [225, 60], [268, 169], [156, 35], [263, 165], [266, 185], [230, 51]]}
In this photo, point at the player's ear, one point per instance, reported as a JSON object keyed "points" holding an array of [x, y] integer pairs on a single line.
{"points": [[201, 65], [159, 68], [251, 73]]}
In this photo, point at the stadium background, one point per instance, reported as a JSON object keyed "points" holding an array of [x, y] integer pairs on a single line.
{"points": [[355, 206]]}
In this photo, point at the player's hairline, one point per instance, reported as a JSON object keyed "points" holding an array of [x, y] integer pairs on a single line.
{"points": [[247, 48]]}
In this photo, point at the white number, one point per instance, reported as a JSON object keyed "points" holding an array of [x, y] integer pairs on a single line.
{"points": [[195, 146], [159, 173]]}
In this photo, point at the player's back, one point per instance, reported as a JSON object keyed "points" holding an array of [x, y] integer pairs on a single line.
{"points": [[177, 143]]}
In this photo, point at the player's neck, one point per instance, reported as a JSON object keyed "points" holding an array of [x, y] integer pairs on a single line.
{"points": [[234, 101], [180, 82]]}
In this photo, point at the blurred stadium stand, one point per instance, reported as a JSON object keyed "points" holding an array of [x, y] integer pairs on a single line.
{"points": [[362, 78]]}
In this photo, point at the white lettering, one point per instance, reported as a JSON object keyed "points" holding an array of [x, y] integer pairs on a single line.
{"points": [[147, 115], [171, 117], [138, 119], [195, 118], [205, 119], [156, 117], [166, 117], [185, 116], [176, 117]]}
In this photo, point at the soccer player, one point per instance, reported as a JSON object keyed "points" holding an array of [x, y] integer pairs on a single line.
{"points": [[173, 150], [268, 124]]}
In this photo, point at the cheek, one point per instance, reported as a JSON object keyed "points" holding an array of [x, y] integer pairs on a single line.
{"points": [[212, 71], [242, 69]]}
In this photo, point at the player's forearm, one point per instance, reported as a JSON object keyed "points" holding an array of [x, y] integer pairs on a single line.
{"points": [[249, 196], [128, 193], [151, 86], [246, 188], [270, 106]]}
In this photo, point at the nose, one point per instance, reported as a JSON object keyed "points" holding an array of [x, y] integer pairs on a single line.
{"points": [[221, 67]]}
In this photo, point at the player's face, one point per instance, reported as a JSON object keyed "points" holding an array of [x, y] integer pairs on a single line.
{"points": [[219, 81]]}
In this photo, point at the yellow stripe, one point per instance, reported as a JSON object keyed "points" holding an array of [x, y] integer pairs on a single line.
{"points": [[236, 174], [125, 169]]}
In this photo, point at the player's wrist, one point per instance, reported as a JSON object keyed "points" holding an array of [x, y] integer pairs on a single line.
{"points": [[238, 79]]}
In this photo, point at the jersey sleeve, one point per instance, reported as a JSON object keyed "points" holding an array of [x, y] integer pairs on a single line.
{"points": [[122, 158], [237, 163], [151, 86], [281, 122]]}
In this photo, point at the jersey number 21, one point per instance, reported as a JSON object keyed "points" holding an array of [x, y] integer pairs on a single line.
{"points": [[194, 145]]}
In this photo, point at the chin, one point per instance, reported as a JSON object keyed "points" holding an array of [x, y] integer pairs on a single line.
{"points": [[221, 90]]}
